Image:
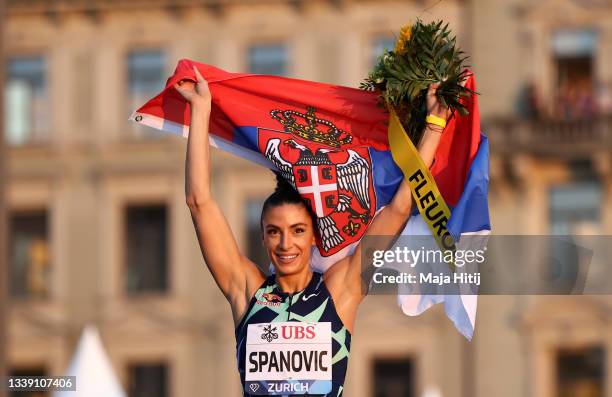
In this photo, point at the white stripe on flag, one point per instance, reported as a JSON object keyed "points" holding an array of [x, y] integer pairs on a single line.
{"points": [[215, 141]]}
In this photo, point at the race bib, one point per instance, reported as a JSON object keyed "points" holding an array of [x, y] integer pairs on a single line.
{"points": [[288, 358]]}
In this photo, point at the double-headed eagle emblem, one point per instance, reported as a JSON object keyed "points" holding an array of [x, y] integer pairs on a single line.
{"points": [[336, 182]]}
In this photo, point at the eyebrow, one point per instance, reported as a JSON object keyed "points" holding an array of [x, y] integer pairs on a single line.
{"points": [[294, 225]]}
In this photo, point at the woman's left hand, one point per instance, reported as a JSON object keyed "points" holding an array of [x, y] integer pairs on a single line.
{"points": [[433, 104]]}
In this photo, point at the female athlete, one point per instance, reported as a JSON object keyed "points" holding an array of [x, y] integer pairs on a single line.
{"points": [[293, 329]]}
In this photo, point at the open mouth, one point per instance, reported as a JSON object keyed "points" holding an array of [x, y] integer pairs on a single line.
{"points": [[286, 258]]}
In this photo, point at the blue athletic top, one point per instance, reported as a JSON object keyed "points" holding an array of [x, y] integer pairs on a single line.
{"points": [[314, 304]]}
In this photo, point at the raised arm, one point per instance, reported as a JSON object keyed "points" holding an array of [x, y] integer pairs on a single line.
{"points": [[236, 276], [343, 279]]}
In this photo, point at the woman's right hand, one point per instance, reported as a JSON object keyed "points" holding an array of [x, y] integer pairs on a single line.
{"points": [[195, 93]]}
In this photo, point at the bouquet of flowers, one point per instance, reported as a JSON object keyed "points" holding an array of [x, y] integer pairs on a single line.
{"points": [[423, 54]]}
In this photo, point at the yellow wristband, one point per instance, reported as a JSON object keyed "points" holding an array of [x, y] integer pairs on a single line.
{"points": [[431, 119]]}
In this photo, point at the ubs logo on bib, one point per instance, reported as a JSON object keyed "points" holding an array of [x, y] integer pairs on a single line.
{"points": [[269, 333], [297, 332]]}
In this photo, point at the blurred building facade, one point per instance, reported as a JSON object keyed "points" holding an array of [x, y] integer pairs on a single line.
{"points": [[100, 233]]}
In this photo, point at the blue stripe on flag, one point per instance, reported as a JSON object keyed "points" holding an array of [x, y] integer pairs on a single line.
{"points": [[471, 214], [246, 136], [387, 176]]}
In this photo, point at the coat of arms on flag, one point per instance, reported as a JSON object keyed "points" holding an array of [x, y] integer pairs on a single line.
{"points": [[335, 181]]}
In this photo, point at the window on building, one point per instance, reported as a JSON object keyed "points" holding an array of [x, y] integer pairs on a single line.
{"points": [[268, 59], [255, 250], [575, 208], [574, 52], [394, 378], [26, 101], [147, 249], [574, 211], [580, 373], [146, 72], [30, 264], [148, 380], [28, 371], [379, 45]]}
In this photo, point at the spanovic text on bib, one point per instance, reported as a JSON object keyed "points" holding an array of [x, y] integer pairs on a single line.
{"points": [[288, 358]]}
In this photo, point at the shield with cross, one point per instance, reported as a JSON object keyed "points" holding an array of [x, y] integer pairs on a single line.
{"points": [[318, 186]]}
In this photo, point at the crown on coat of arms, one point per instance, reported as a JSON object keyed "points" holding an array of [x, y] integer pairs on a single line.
{"points": [[309, 130]]}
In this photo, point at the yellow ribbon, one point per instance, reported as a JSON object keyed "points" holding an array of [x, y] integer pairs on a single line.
{"points": [[427, 197]]}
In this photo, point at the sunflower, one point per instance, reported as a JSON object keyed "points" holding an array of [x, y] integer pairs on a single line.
{"points": [[402, 40]]}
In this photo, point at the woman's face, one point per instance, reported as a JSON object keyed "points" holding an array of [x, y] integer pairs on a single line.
{"points": [[288, 237]]}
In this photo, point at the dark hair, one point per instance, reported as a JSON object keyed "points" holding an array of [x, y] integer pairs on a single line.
{"points": [[284, 193]]}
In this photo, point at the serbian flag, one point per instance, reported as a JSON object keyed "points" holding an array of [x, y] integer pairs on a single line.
{"points": [[330, 142]]}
